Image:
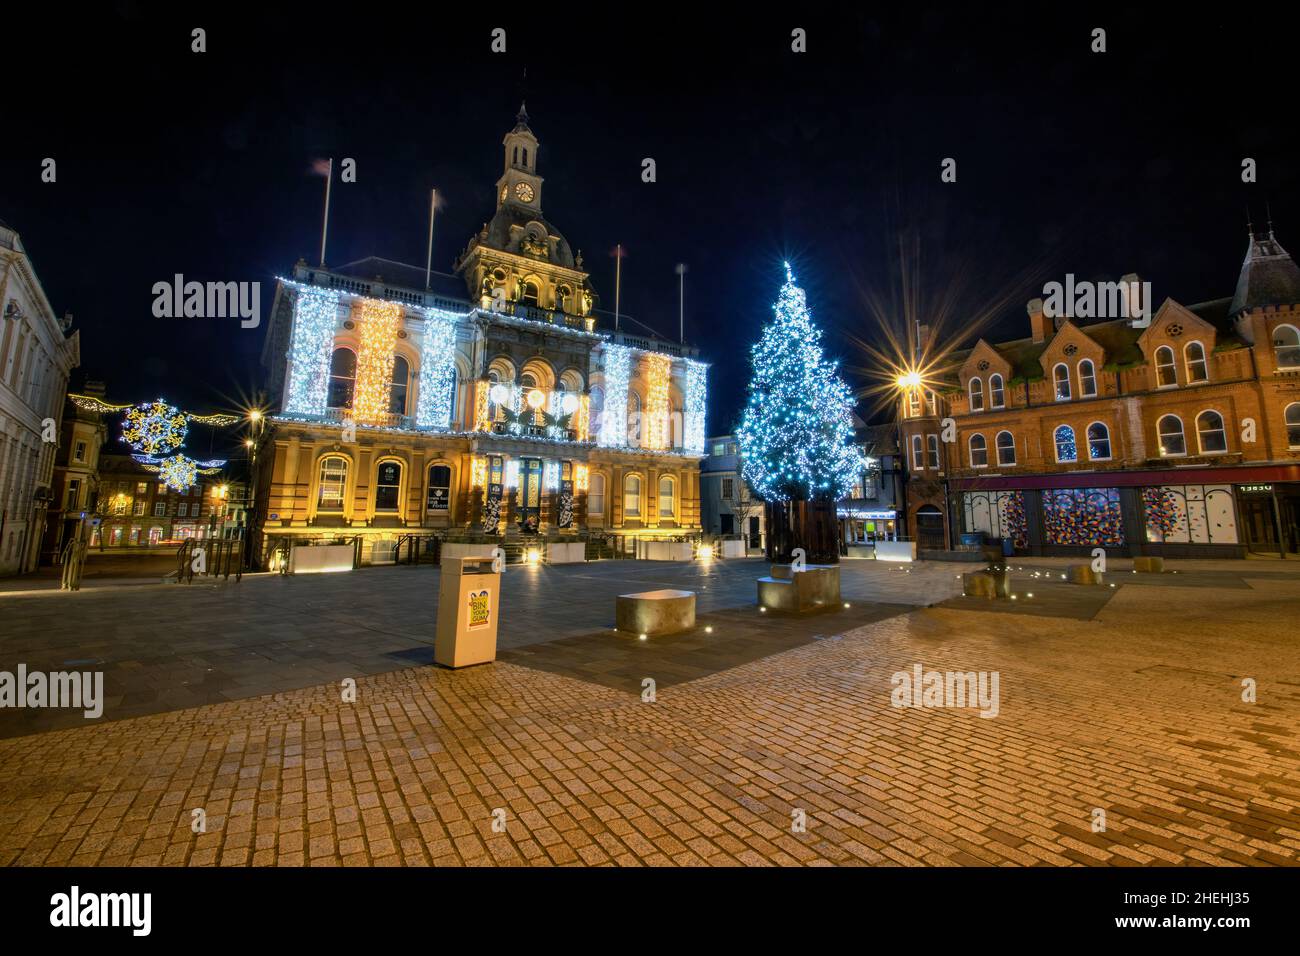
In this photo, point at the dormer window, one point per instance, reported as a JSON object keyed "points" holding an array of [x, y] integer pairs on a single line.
{"points": [[1166, 374], [1286, 346], [1061, 380], [1194, 355], [976, 390], [997, 393], [1087, 379]]}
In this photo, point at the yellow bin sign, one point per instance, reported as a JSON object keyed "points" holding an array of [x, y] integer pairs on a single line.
{"points": [[468, 612]]}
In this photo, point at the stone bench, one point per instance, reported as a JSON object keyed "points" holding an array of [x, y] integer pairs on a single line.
{"points": [[817, 586], [1149, 564], [1083, 574], [655, 612], [986, 584]]}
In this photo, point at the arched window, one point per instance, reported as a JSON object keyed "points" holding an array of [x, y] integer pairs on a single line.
{"points": [[1166, 374], [932, 451], [667, 497], [918, 460], [596, 495], [913, 403], [597, 406], [525, 155], [1064, 438], [397, 390], [931, 403], [1194, 356], [1286, 346], [979, 452], [1006, 448], [1173, 442], [1098, 442], [632, 496], [514, 156], [997, 392], [531, 293], [333, 483], [1293, 425], [388, 486], [1210, 434], [439, 495], [527, 380], [1087, 379], [343, 377], [1061, 381], [976, 389]]}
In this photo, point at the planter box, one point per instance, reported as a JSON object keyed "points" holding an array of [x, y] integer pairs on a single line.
{"points": [[320, 559], [733, 549], [666, 551], [895, 550], [566, 552]]}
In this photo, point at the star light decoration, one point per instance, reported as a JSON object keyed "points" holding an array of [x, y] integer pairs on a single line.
{"points": [[797, 428]]}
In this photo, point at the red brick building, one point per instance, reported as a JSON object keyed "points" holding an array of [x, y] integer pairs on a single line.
{"points": [[1179, 438]]}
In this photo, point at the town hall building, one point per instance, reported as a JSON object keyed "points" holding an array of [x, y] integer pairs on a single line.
{"points": [[489, 404]]}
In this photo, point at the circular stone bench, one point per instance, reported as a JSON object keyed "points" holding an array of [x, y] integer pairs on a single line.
{"points": [[1150, 564], [1083, 574], [986, 584], [655, 612], [817, 586]]}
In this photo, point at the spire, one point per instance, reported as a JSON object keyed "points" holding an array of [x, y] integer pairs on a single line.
{"points": [[1268, 276], [521, 119]]}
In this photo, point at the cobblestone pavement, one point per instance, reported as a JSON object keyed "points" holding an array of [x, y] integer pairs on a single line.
{"points": [[1136, 712], [168, 647]]}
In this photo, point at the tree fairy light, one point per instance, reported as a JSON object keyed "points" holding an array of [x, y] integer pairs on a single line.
{"points": [[618, 371], [155, 427], [315, 314], [379, 322], [797, 427], [437, 370]]}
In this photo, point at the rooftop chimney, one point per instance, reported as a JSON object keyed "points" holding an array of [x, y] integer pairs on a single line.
{"points": [[1038, 322], [1133, 303]]}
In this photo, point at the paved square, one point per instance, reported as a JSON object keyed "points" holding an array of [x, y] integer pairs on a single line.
{"points": [[1136, 711]]}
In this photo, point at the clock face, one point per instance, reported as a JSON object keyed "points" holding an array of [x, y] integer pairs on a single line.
{"points": [[524, 192]]}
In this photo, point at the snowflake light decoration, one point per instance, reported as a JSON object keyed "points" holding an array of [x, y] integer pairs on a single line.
{"points": [[154, 427], [179, 472]]}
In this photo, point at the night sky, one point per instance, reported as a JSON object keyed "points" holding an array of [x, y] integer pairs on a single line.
{"points": [[1068, 161]]}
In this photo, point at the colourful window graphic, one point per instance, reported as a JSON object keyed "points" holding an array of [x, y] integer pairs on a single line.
{"points": [[1083, 516]]}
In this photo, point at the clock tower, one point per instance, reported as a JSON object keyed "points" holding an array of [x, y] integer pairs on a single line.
{"points": [[519, 261], [519, 183]]}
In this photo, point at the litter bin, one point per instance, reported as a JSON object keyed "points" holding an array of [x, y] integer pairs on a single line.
{"points": [[468, 611]]}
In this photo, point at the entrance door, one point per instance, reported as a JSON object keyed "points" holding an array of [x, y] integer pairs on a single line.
{"points": [[929, 529], [530, 495], [755, 536]]}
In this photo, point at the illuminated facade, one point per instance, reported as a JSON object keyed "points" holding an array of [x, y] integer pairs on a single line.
{"points": [[486, 404]]}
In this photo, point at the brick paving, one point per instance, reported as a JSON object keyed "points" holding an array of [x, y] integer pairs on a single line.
{"points": [[1136, 711]]}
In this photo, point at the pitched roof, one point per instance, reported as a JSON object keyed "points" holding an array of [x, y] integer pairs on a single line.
{"points": [[1268, 277], [403, 275]]}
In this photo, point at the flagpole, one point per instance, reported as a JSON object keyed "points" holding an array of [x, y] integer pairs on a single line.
{"points": [[681, 302], [325, 226], [428, 262], [618, 279]]}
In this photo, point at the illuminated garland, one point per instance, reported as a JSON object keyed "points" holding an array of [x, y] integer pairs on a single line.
{"points": [[437, 370], [379, 323], [659, 370], [478, 473], [155, 427], [581, 477], [315, 314], [696, 408], [613, 419], [178, 471], [797, 429]]}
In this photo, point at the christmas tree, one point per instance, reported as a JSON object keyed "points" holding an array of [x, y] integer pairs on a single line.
{"points": [[797, 428]]}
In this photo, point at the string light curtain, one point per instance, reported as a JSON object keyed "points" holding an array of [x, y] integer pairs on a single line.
{"points": [[379, 323], [696, 406], [618, 369], [315, 314], [437, 370], [659, 370]]}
